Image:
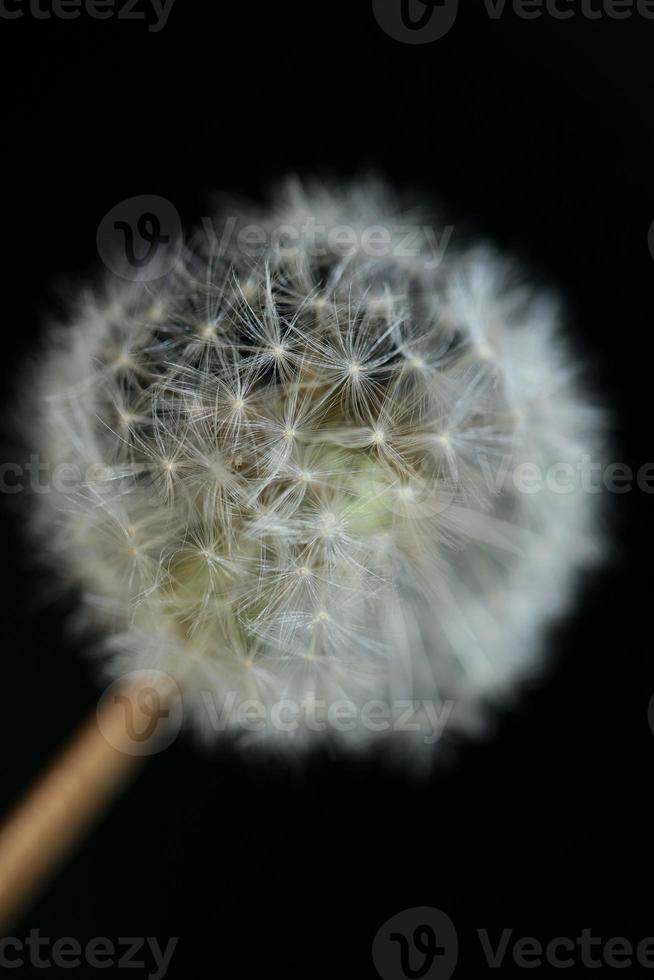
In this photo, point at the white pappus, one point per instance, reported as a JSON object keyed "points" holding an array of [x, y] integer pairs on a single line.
{"points": [[287, 460]]}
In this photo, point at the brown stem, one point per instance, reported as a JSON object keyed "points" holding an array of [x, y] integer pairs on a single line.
{"points": [[83, 779]]}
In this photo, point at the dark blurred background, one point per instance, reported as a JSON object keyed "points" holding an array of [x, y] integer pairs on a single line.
{"points": [[536, 134]]}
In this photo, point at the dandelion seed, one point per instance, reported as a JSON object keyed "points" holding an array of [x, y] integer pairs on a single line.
{"points": [[294, 470]]}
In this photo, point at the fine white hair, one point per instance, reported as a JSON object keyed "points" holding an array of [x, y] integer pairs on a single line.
{"points": [[297, 467]]}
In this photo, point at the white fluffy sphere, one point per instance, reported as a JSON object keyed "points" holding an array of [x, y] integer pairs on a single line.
{"points": [[301, 472]]}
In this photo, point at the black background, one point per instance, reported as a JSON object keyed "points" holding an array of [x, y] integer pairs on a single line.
{"points": [[539, 135]]}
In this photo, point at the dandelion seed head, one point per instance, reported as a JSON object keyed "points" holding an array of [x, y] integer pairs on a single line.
{"points": [[305, 506]]}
